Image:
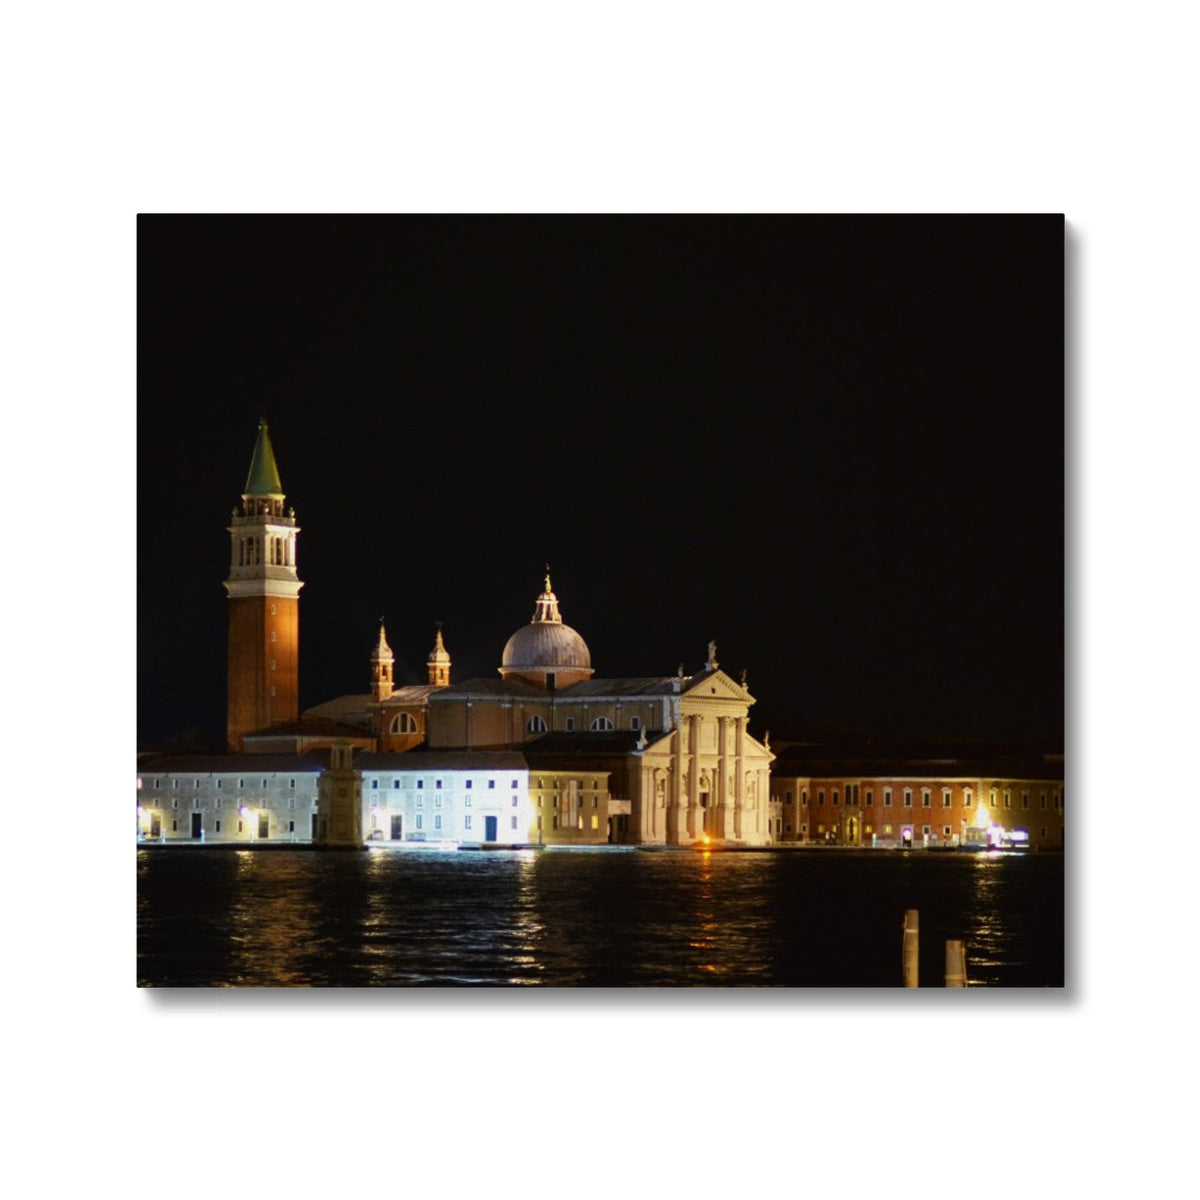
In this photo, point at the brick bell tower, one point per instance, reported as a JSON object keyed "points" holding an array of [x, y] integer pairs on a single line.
{"points": [[264, 603]]}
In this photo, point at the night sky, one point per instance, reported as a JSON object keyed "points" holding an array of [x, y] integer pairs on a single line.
{"points": [[835, 445]]}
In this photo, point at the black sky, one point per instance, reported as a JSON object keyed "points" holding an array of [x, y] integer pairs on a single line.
{"points": [[833, 444]]}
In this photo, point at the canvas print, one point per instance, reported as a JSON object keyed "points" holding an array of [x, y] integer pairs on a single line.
{"points": [[622, 601]]}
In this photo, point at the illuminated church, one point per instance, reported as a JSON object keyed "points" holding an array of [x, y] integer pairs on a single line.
{"points": [[543, 754], [576, 759]]}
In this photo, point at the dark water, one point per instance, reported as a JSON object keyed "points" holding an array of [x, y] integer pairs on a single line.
{"points": [[225, 917]]}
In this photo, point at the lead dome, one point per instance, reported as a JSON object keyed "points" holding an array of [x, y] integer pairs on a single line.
{"points": [[546, 652]]}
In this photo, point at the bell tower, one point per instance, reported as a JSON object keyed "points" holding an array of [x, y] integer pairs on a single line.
{"points": [[264, 595], [438, 662]]}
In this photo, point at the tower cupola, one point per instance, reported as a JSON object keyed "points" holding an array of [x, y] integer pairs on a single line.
{"points": [[438, 661], [382, 664]]}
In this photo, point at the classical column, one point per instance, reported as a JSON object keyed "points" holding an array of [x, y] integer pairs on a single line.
{"points": [[722, 770], [675, 796], [739, 776], [695, 814]]}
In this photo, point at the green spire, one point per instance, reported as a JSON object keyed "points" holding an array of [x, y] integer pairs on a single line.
{"points": [[263, 479]]}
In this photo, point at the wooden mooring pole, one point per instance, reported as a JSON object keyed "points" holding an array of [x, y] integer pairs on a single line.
{"points": [[956, 963], [910, 948]]}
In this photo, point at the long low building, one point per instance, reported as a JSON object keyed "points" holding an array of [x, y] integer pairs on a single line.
{"points": [[860, 795], [417, 797]]}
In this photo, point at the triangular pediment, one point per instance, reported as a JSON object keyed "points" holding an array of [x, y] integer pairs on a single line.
{"points": [[716, 685]]}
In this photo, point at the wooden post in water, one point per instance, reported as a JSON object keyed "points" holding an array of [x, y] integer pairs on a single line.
{"points": [[910, 947], [956, 963]]}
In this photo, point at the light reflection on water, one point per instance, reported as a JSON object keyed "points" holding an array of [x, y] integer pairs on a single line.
{"points": [[217, 917]]}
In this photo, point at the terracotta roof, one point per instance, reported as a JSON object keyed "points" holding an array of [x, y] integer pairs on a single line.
{"points": [[442, 760], [229, 764]]}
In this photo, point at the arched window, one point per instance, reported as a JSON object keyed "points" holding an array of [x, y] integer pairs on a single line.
{"points": [[404, 723], [535, 725], [601, 723]]}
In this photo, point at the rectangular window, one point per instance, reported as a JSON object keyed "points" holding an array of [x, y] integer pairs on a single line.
{"points": [[420, 784], [595, 822], [174, 801], [220, 783], [437, 784], [467, 821], [907, 798], [156, 785], [291, 783], [513, 784], [514, 803], [437, 802], [218, 826], [925, 830], [491, 783], [241, 783], [835, 797], [468, 785], [787, 797], [292, 802], [514, 822], [175, 784], [946, 798], [821, 798], [945, 830], [395, 784], [804, 798], [887, 797], [570, 724], [870, 798], [375, 783], [291, 827], [420, 801], [467, 801], [420, 821], [925, 799], [1008, 799]]}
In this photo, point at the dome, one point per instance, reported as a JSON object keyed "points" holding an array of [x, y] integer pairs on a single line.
{"points": [[543, 646], [546, 649]]}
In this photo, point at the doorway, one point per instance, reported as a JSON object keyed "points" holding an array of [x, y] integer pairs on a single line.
{"points": [[489, 829], [197, 824]]}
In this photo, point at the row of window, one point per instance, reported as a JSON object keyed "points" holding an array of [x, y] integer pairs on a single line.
{"points": [[257, 801], [437, 784], [926, 830], [220, 783], [598, 725], [437, 802], [851, 796]]}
